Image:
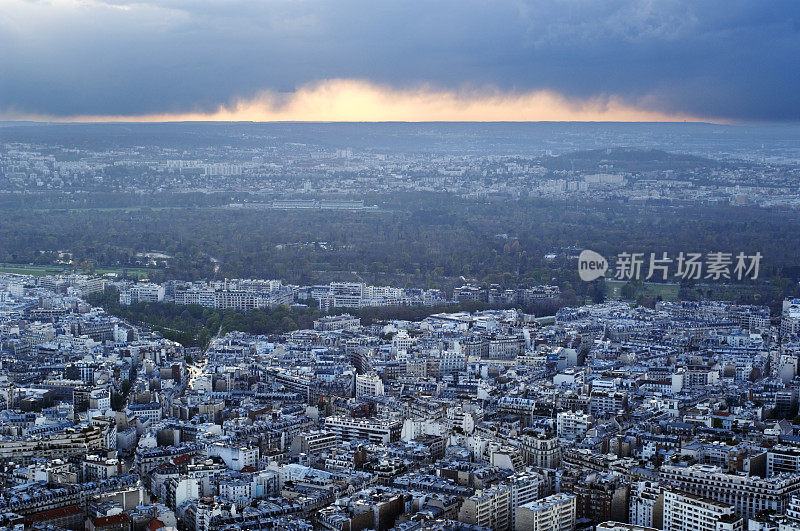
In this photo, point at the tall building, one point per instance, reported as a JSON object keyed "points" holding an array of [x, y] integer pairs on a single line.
{"points": [[573, 426], [790, 317], [785, 522], [601, 496], [313, 442], [553, 513], [782, 459], [685, 512], [144, 292], [607, 402], [368, 385], [488, 508], [542, 452], [525, 488], [646, 505], [337, 322]]}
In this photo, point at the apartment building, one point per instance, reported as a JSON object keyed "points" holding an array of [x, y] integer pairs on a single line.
{"points": [[619, 526], [607, 402], [790, 317], [541, 452], [573, 425], [145, 292], [686, 512], [488, 508], [337, 322], [783, 459], [646, 504], [368, 385], [378, 431], [525, 488], [313, 442], [747, 494], [553, 513]]}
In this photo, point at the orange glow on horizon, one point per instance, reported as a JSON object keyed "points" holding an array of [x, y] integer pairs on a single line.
{"points": [[344, 100]]}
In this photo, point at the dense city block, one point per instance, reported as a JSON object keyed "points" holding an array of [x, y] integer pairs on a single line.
{"points": [[612, 415]]}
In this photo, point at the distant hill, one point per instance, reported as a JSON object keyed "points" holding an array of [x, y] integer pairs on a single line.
{"points": [[627, 159]]}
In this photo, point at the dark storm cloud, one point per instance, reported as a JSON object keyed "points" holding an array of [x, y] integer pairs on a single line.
{"points": [[714, 59]]}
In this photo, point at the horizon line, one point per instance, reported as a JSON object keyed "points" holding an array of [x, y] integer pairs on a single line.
{"points": [[152, 122]]}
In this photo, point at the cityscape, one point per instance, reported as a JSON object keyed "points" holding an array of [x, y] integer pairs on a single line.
{"points": [[329, 166], [520, 265], [493, 419]]}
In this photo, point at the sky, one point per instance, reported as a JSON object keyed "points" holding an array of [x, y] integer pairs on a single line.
{"points": [[375, 60]]}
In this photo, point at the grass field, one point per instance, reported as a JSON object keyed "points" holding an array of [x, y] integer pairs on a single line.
{"points": [[42, 270], [668, 292]]}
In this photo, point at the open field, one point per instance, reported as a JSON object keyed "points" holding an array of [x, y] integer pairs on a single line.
{"points": [[42, 270], [668, 292]]}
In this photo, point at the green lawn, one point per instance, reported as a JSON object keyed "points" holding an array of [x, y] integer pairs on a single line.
{"points": [[33, 270], [138, 272], [42, 270], [668, 292]]}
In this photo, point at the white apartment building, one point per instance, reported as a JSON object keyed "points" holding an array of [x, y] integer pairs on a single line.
{"points": [[95, 468], [235, 457], [786, 522], [525, 488], [505, 347], [524, 407], [553, 513], [573, 425], [357, 295], [145, 292], [243, 300], [781, 459], [604, 402], [202, 296], [619, 526], [402, 341], [452, 361], [368, 385], [646, 505], [378, 431], [100, 399], [151, 411], [236, 490], [465, 417], [747, 494], [790, 317], [686, 512], [337, 322], [181, 490]]}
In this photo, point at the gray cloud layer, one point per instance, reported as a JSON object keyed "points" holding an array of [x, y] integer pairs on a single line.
{"points": [[716, 59]]}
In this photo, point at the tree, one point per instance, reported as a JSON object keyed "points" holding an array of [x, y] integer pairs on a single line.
{"points": [[203, 339], [117, 401], [628, 290], [597, 291]]}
